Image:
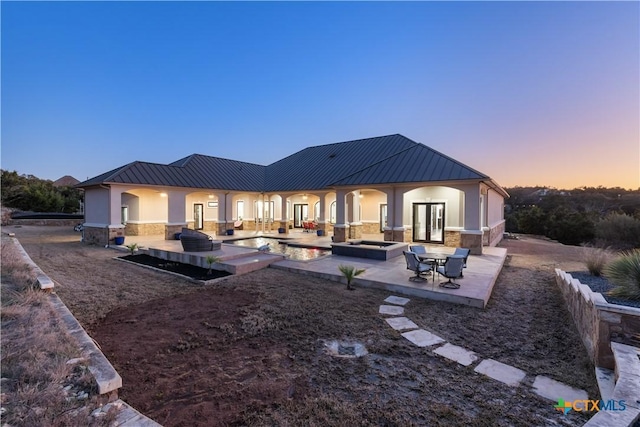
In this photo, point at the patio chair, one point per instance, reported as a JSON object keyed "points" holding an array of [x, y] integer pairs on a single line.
{"points": [[414, 264], [464, 253], [452, 269], [418, 249]]}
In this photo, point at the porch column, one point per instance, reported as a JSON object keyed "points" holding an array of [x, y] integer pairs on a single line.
{"points": [[176, 213], [399, 231], [225, 213], [340, 228], [115, 227], [471, 235], [322, 218], [284, 220], [355, 226], [388, 229]]}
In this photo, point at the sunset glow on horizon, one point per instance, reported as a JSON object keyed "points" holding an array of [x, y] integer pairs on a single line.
{"points": [[529, 93]]}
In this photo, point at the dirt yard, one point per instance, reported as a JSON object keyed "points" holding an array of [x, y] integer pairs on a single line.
{"points": [[250, 350]]}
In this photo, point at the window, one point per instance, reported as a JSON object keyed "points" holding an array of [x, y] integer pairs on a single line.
{"points": [[316, 211], [333, 213], [124, 214]]}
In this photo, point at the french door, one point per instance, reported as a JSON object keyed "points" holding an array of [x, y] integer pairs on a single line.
{"points": [[428, 222], [300, 213]]}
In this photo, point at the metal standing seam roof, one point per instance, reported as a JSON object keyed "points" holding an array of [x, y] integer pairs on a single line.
{"points": [[371, 161]]}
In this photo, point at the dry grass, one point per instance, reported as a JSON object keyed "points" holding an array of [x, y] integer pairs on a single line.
{"points": [[35, 349], [596, 258], [250, 346]]}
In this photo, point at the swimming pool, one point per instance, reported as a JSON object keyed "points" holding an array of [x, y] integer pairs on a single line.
{"points": [[295, 253]]}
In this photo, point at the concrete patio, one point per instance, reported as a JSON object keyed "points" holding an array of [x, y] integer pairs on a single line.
{"points": [[392, 275]]}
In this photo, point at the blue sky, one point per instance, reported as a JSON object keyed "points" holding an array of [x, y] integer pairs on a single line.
{"points": [[529, 93]]}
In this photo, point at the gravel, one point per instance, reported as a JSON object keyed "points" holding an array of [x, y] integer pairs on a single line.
{"points": [[602, 285]]}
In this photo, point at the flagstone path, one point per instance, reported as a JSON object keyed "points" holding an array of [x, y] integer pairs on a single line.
{"points": [[509, 375]]}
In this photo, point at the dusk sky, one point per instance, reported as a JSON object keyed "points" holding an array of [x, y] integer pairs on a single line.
{"points": [[529, 93]]}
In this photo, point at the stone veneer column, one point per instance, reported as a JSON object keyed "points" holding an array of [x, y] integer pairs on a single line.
{"points": [[399, 234], [340, 228], [472, 239], [340, 233]]}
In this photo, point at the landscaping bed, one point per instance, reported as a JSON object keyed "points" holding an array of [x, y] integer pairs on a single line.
{"points": [[252, 349], [188, 270]]}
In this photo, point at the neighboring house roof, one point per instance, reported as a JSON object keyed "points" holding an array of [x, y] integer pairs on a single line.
{"points": [[371, 161], [65, 181]]}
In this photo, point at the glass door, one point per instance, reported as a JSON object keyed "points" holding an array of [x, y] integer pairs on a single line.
{"points": [[300, 213], [198, 220], [383, 217], [428, 222]]}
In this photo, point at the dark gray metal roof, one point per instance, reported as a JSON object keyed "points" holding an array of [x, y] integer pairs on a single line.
{"points": [[317, 167], [415, 164], [371, 161]]}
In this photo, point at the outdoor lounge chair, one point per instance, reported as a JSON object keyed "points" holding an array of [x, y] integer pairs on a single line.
{"points": [[414, 264], [195, 241], [451, 269]]}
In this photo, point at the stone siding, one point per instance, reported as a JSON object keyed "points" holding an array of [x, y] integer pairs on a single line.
{"points": [[597, 321], [472, 241], [152, 229], [494, 235], [452, 239], [370, 228]]}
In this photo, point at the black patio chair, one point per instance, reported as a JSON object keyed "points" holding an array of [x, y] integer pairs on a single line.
{"points": [[452, 269]]}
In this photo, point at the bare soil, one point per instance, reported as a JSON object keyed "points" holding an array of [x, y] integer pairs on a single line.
{"points": [[250, 350]]}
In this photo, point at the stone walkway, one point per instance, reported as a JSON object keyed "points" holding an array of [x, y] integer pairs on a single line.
{"points": [[509, 375]]}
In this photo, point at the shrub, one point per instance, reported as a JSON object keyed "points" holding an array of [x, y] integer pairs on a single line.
{"points": [[596, 258], [619, 230], [350, 272], [624, 273]]}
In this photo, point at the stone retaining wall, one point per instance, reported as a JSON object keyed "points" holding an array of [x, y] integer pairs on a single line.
{"points": [[597, 321]]}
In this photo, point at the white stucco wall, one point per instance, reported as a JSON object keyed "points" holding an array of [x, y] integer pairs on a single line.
{"points": [[451, 197], [96, 206], [495, 208]]}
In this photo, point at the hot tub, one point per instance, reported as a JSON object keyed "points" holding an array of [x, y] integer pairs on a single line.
{"points": [[371, 249]]}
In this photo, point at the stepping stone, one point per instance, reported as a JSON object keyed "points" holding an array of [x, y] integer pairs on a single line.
{"points": [[391, 309], [400, 323], [397, 300], [457, 354], [501, 372], [422, 338], [554, 390]]}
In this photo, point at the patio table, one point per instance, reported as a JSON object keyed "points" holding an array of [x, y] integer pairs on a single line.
{"points": [[437, 259]]}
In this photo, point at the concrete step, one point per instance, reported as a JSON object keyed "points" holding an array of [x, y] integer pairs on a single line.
{"points": [[606, 382], [249, 263]]}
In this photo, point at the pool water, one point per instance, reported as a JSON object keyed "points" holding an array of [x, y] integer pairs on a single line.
{"points": [[295, 253]]}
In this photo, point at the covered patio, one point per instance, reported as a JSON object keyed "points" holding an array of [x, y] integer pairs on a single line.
{"points": [[392, 275]]}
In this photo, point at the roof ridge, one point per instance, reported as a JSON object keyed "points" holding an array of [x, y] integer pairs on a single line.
{"points": [[379, 161], [458, 162], [190, 157]]}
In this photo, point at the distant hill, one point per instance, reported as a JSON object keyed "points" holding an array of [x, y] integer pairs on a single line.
{"points": [[65, 181]]}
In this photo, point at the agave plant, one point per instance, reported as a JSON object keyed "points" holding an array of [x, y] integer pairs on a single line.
{"points": [[350, 272], [132, 247], [624, 273]]}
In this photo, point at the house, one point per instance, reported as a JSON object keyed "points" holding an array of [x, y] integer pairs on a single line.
{"points": [[390, 185]]}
